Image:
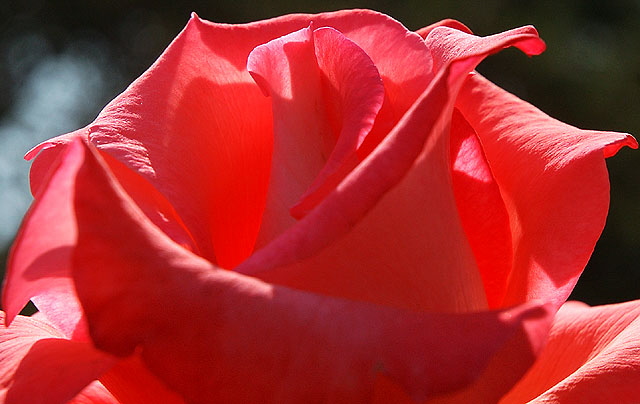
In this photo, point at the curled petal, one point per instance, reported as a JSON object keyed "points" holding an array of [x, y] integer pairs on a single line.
{"points": [[483, 214], [205, 332], [94, 393], [554, 182], [201, 134], [39, 262], [400, 196], [34, 353], [447, 22], [447, 44], [326, 94], [593, 355]]}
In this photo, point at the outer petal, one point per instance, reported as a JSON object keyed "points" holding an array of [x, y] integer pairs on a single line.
{"points": [[196, 127], [94, 393], [39, 262], [554, 182], [200, 133], [40, 269], [447, 22], [206, 332], [34, 353], [593, 356], [390, 232], [482, 212], [132, 383]]}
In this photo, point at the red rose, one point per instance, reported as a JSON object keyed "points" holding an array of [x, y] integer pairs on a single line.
{"points": [[314, 208]]}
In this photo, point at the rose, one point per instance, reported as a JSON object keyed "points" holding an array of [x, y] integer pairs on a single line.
{"points": [[441, 223]]}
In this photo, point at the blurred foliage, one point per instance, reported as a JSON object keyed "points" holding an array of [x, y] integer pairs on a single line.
{"points": [[589, 76]]}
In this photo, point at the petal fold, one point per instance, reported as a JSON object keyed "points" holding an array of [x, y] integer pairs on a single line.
{"points": [[554, 182], [400, 196], [593, 355], [482, 211], [33, 353], [38, 266], [205, 332]]}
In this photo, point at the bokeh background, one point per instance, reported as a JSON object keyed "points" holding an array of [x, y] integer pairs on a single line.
{"points": [[62, 61]]}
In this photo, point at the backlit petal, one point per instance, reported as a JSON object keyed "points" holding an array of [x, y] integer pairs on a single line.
{"points": [[390, 233], [593, 356], [40, 366], [206, 332], [40, 257], [554, 182]]}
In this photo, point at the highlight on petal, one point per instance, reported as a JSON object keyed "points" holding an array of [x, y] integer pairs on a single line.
{"points": [[593, 355], [326, 93], [390, 232], [48, 152], [210, 331], [40, 366], [94, 393], [554, 182], [483, 214], [447, 44], [200, 133], [39, 263], [447, 22]]}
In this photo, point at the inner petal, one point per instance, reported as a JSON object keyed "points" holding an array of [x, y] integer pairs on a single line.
{"points": [[482, 211], [326, 93]]}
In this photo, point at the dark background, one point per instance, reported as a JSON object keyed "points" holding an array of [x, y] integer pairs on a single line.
{"points": [[61, 61]]}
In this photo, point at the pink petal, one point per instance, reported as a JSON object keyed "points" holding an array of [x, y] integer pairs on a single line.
{"points": [[447, 22], [482, 212], [593, 356], [48, 153], [215, 335], [213, 167], [94, 393], [39, 262], [40, 366], [390, 233], [326, 94], [197, 128], [447, 44], [554, 182], [38, 265]]}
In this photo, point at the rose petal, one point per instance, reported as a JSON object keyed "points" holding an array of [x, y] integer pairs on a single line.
{"points": [[206, 332], [593, 355], [38, 265], [34, 353], [482, 212], [554, 182], [213, 167], [94, 393], [200, 132], [132, 383], [390, 233], [325, 92], [48, 152], [447, 44], [447, 22]]}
